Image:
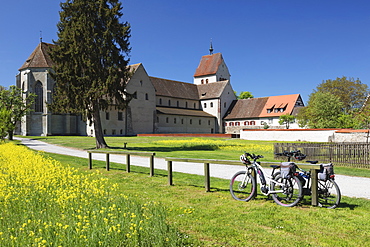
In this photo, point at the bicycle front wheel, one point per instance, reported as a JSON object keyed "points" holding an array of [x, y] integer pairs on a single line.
{"points": [[289, 191], [328, 194], [243, 186]]}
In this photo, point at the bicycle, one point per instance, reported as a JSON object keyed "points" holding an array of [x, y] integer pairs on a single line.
{"points": [[329, 194], [285, 190]]}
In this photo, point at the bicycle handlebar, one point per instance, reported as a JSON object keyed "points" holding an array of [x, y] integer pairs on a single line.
{"points": [[253, 156], [296, 154]]}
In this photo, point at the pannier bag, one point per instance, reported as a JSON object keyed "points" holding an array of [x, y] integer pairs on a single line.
{"points": [[326, 170], [287, 169]]}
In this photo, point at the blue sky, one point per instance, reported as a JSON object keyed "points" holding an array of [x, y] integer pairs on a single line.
{"points": [[271, 47]]}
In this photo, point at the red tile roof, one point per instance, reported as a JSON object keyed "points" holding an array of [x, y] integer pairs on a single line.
{"points": [[208, 65], [257, 107], [39, 58], [283, 101]]}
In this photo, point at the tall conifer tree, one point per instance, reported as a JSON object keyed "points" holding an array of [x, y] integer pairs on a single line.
{"points": [[91, 61]]}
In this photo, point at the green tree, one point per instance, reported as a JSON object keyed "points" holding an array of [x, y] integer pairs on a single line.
{"points": [[286, 119], [15, 101], [244, 95], [5, 118], [91, 61], [322, 111], [362, 117], [352, 93]]}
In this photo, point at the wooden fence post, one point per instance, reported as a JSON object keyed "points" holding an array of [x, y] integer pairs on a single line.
{"points": [[90, 161], [169, 169], [128, 169], [152, 165], [107, 161], [206, 177], [314, 187]]}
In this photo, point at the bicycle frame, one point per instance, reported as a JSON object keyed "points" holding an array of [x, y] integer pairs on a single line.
{"points": [[264, 179]]}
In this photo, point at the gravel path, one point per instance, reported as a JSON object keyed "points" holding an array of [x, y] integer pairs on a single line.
{"points": [[349, 186]]}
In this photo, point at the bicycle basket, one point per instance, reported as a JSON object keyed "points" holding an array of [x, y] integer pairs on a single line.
{"points": [[287, 169], [326, 171], [244, 159]]}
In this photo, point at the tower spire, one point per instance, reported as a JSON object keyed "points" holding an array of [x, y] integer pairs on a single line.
{"points": [[211, 49], [40, 36]]}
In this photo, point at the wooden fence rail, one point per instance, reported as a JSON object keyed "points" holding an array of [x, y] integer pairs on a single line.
{"points": [[341, 154], [127, 153], [206, 162], [313, 169]]}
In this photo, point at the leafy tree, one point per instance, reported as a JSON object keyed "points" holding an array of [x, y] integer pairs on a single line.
{"points": [[90, 60], [362, 117], [303, 117], [322, 111], [286, 119], [245, 95], [352, 93], [12, 100], [5, 118]]}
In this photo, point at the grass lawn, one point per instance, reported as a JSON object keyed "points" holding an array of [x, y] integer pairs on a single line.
{"points": [[215, 219], [187, 147]]}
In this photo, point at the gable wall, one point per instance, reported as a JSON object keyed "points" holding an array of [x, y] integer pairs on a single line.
{"points": [[222, 72]]}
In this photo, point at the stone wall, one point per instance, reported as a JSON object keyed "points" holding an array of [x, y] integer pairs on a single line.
{"points": [[309, 135]]}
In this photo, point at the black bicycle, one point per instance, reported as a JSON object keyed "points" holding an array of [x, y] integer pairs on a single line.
{"points": [[285, 188], [329, 194]]}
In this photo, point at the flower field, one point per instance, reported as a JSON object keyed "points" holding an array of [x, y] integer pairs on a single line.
{"points": [[46, 204], [209, 144]]}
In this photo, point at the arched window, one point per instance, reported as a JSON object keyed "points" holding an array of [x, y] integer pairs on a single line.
{"points": [[146, 96], [39, 102], [253, 123], [160, 101], [169, 102], [205, 105], [211, 104], [246, 123], [225, 124]]}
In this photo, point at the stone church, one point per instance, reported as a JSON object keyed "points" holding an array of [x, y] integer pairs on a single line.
{"points": [[208, 105], [158, 106]]}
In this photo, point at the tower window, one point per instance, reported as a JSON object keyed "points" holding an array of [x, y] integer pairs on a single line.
{"points": [[39, 102]]}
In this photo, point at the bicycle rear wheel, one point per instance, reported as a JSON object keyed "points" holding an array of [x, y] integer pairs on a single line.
{"points": [[243, 186], [328, 194], [290, 190]]}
